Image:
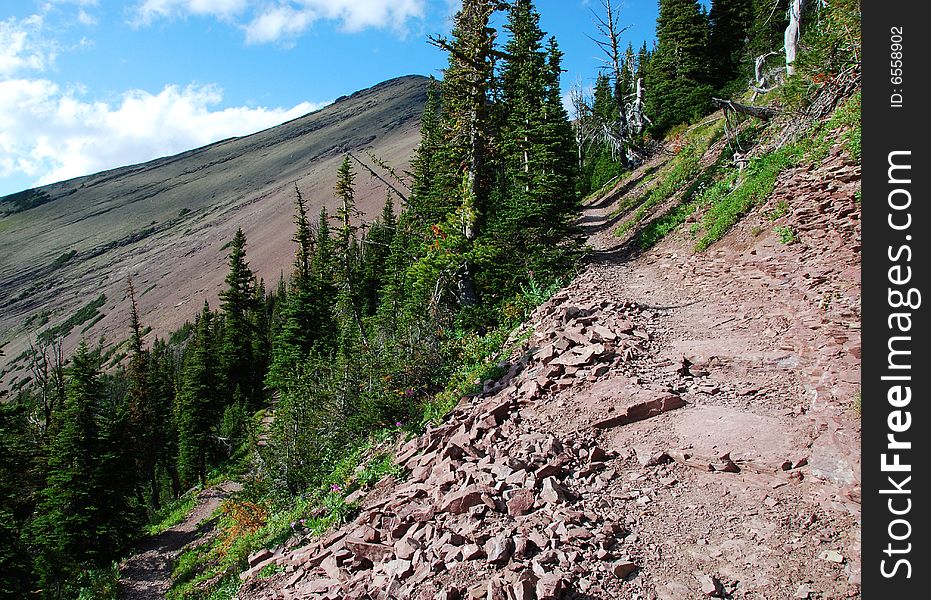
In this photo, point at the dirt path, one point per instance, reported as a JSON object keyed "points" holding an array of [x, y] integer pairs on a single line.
{"points": [[147, 574], [739, 480]]}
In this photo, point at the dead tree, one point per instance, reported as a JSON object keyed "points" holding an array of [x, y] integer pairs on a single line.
{"points": [[581, 116], [609, 28], [47, 364], [636, 116], [384, 181], [617, 134], [792, 35]]}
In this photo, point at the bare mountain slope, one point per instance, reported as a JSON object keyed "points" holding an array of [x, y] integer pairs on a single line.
{"points": [[165, 222]]}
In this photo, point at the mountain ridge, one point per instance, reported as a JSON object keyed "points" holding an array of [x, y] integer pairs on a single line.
{"points": [[150, 220]]}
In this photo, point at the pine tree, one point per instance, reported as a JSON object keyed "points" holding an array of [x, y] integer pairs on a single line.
{"points": [[197, 403], [17, 474], [467, 129], [729, 21], [678, 78], [559, 168], [80, 520], [429, 203], [142, 416], [163, 382], [237, 302], [516, 215], [601, 163], [376, 249], [306, 314]]}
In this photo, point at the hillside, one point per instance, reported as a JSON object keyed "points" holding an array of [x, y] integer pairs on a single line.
{"points": [[675, 424], [166, 222]]}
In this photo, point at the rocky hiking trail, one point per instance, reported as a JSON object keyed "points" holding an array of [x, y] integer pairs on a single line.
{"points": [[677, 426], [147, 573]]}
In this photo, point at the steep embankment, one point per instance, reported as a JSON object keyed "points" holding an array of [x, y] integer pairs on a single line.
{"points": [[678, 425], [166, 222]]}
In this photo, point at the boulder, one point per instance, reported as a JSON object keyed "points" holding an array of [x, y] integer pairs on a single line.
{"points": [[461, 501], [371, 551], [520, 503], [498, 550]]}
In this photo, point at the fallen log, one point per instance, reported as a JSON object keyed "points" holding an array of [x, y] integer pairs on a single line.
{"points": [[760, 112]]}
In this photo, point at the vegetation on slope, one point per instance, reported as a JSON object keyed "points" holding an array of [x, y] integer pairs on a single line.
{"points": [[377, 331]]}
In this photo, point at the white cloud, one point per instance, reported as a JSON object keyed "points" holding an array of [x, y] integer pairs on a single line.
{"points": [[278, 22], [355, 15], [85, 18], [23, 47], [267, 22], [51, 134], [149, 10]]}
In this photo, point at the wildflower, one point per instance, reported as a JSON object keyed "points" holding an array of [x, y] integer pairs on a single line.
{"points": [[398, 424], [335, 487]]}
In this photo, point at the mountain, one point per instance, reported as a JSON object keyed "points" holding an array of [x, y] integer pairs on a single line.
{"points": [[66, 249]]}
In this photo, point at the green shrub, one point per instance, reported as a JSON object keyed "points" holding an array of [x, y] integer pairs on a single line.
{"points": [[84, 314], [781, 209], [63, 258], [786, 234]]}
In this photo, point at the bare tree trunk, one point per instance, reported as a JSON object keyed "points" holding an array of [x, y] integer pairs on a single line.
{"points": [[581, 110], [636, 108], [793, 32]]}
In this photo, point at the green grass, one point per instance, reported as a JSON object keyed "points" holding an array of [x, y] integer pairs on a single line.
{"points": [[684, 167], [847, 118], [734, 196], [737, 193]]}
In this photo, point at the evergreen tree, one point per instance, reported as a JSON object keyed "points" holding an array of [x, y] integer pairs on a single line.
{"points": [[17, 473], [376, 249], [678, 78], [601, 163], [467, 129], [142, 416], [730, 21], [197, 403], [80, 524], [429, 204], [237, 302], [163, 383], [306, 319]]}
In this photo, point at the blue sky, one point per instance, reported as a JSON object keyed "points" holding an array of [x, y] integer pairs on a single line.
{"points": [[87, 85]]}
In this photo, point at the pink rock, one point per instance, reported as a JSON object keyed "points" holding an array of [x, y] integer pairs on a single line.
{"points": [[461, 501], [371, 551], [520, 503]]}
